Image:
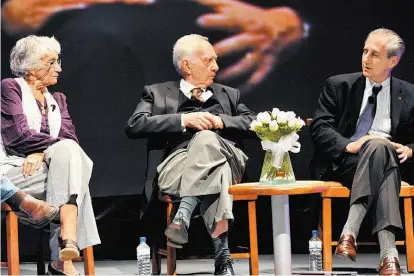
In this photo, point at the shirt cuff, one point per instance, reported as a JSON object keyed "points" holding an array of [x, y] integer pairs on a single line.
{"points": [[182, 123]]}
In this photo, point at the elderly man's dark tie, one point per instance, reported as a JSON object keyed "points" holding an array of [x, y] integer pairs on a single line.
{"points": [[196, 95], [367, 117]]}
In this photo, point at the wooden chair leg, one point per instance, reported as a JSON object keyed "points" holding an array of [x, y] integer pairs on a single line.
{"points": [[156, 261], [409, 235], [12, 230], [254, 254], [327, 233], [171, 253], [171, 261], [88, 261]]}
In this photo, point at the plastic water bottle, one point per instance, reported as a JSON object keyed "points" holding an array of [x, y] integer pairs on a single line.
{"points": [[143, 257], [315, 252]]}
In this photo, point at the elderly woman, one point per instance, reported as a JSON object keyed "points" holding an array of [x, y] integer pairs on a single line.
{"points": [[36, 125]]}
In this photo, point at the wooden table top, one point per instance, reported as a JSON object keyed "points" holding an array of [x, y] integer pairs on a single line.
{"points": [[297, 188]]}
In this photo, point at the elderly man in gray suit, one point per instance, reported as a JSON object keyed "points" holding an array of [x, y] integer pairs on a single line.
{"points": [[193, 128]]}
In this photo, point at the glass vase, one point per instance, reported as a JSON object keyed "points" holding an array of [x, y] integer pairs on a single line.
{"points": [[275, 176]]}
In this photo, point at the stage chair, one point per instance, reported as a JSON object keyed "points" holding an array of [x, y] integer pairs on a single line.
{"points": [[339, 191], [253, 254], [13, 265]]}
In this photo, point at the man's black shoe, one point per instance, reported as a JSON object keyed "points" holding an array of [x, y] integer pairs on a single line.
{"points": [[225, 268]]}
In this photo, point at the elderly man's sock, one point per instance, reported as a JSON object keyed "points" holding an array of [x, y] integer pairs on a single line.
{"points": [[386, 239], [356, 215], [185, 210], [221, 249]]}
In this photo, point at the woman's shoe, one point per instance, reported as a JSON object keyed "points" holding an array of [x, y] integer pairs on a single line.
{"points": [[69, 250], [52, 271]]}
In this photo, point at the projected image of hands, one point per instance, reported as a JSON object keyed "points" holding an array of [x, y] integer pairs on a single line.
{"points": [[259, 34], [253, 36]]}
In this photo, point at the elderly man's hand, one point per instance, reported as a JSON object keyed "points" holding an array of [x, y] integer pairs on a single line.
{"points": [[199, 120], [403, 152], [260, 33], [32, 163], [28, 15], [218, 122]]}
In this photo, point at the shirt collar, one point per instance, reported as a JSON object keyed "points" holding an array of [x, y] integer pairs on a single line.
{"points": [[370, 83], [186, 88]]}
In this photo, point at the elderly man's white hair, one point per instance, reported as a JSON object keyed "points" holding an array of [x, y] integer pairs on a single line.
{"points": [[28, 52], [395, 44], [185, 46]]}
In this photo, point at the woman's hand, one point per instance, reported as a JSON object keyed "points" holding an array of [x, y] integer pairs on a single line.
{"points": [[260, 33], [32, 163]]}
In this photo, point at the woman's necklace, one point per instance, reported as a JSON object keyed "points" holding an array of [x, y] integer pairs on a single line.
{"points": [[41, 99], [42, 109]]}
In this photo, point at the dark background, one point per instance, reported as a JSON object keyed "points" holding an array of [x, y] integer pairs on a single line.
{"points": [[110, 51]]}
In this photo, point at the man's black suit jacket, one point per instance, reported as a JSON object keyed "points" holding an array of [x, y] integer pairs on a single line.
{"points": [[156, 119], [337, 115]]}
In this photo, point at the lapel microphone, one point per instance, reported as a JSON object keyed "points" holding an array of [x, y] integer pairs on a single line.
{"points": [[375, 90], [53, 107]]}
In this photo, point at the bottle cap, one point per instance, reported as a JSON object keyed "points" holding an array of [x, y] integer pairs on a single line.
{"points": [[314, 233], [142, 239]]}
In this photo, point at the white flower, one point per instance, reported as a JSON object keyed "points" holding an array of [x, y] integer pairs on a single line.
{"points": [[293, 123], [300, 122], [255, 125], [290, 115], [281, 117], [273, 126], [264, 117], [296, 123], [275, 111]]}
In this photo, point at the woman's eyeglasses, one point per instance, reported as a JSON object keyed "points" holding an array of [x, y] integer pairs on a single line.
{"points": [[54, 63]]}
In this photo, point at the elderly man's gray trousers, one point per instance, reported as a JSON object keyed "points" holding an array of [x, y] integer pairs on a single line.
{"points": [[207, 168]]}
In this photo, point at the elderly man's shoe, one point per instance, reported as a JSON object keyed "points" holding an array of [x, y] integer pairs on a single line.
{"points": [[225, 268], [389, 266], [175, 245], [177, 234], [346, 247], [35, 212]]}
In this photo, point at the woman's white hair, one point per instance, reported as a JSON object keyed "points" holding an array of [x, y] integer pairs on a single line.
{"points": [[395, 44], [185, 46], [28, 52]]}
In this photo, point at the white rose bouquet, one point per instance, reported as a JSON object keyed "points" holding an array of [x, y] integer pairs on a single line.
{"points": [[278, 132]]}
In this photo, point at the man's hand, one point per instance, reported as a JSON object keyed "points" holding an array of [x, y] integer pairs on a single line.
{"points": [[218, 123], [32, 163], [403, 152], [199, 120], [354, 147], [260, 33]]}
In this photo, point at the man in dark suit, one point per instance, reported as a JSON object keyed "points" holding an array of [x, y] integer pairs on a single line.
{"points": [[364, 137], [193, 127]]}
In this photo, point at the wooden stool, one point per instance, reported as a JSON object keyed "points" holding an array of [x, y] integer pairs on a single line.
{"points": [[12, 229], [338, 191], [253, 254]]}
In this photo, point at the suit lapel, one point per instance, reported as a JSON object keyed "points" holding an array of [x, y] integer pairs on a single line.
{"points": [[357, 94], [172, 98], [222, 98], [397, 100]]}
